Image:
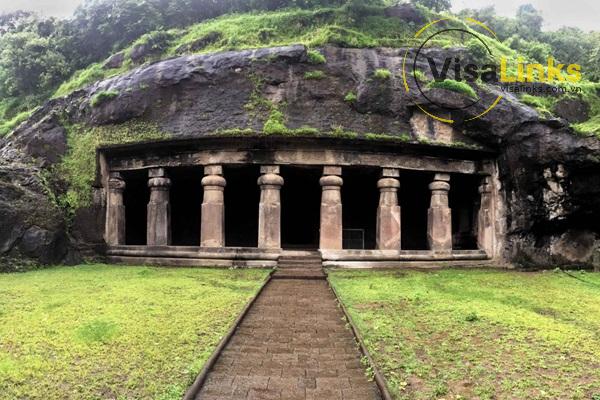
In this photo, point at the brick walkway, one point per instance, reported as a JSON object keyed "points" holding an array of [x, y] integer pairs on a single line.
{"points": [[293, 344]]}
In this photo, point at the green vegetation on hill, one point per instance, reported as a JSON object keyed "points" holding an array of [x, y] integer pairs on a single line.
{"points": [[77, 170]]}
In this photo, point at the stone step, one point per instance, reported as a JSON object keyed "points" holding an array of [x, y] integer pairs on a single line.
{"points": [[299, 265], [298, 274], [301, 258]]}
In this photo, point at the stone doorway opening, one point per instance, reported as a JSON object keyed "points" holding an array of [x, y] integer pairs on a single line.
{"points": [[360, 198], [242, 195], [186, 199], [415, 196], [300, 207], [464, 201], [135, 199]]}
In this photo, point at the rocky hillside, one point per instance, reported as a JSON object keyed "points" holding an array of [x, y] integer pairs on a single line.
{"points": [[51, 213]]}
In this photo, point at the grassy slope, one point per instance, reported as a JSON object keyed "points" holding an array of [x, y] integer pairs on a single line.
{"points": [[101, 331], [480, 334]]}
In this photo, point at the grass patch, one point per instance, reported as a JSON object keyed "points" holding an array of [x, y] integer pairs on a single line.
{"points": [[404, 137], [275, 124], [102, 97], [87, 76], [314, 75], [340, 132], [454, 86], [350, 97], [382, 74], [314, 57], [100, 331], [479, 334], [7, 127], [591, 127], [543, 105]]}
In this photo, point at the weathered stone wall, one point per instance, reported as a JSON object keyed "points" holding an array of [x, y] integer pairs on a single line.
{"points": [[549, 177]]}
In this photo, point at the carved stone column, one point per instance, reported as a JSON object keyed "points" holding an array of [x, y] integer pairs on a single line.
{"points": [[212, 228], [439, 217], [388, 211], [331, 209], [269, 208], [115, 211], [485, 219], [159, 209]]}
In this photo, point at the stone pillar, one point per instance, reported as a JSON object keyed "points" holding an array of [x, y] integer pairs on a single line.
{"points": [[269, 208], [439, 217], [159, 209], [115, 210], [485, 219], [388, 211], [212, 227], [331, 209]]}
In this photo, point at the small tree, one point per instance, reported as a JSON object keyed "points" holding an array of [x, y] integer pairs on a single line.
{"points": [[29, 64]]}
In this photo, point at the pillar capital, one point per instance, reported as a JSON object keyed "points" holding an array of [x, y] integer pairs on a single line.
{"points": [[213, 169], [441, 177], [485, 185], [157, 172], [390, 173], [331, 182], [159, 183], [116, 182], [270, 179], [388, 183], [269, 169], [332, 170], [214, 182]]}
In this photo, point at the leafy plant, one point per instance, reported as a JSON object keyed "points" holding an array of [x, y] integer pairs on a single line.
{"points": [[275, 124], [350, 97], [314, 57], [419, 75], [314, 75], [382, 74]]}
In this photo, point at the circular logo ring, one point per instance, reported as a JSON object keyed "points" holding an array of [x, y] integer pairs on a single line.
{"points": [[499, 97]]}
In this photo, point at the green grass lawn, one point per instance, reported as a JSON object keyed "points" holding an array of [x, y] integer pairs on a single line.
{"points": [[460, 334], [107, 332]]}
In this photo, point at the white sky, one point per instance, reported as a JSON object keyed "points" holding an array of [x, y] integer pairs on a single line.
{"points": [[584, 14]]}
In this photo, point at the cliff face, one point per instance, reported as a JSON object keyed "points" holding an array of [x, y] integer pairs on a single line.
{"points": [[550, 176]]}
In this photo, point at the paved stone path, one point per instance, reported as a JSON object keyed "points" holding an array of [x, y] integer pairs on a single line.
{"points": [[292, 344]]}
